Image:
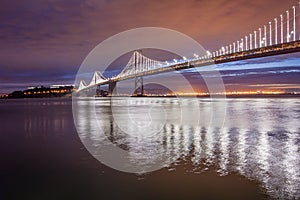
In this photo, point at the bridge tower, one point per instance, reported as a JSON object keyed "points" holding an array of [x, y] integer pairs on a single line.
{"points": [[139, 82], [139, 86], [98, 90], [112, 88]]}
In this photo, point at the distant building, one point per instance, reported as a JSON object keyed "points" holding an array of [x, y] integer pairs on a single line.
{"points": [[41, 92], [60, 86]]}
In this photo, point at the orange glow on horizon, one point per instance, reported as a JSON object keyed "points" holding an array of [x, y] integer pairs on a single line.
{"points": [[266, 92]]}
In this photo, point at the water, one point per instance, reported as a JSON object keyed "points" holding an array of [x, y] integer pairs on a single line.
{"points": [[254, 153]]}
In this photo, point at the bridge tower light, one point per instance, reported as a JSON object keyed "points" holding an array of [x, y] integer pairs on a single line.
{"points": [[276, 32], [246, 41], [234, 47], [196, 56], [270, 23], [287, 26], [238, 46], [281, 28], [260, 42], [208, 54], [298, 21], [265, 35], [230, 48], [223, 50], [242, 44], [294, 23], [250, 41], [255, 40]]}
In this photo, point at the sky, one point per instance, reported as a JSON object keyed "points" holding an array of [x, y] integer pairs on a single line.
{"points": [[44, 42]]}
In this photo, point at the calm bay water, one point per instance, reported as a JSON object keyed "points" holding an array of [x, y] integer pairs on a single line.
{"points": [[254, 154]]}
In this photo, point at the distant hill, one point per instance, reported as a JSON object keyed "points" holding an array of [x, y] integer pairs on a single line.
{"points": [[42, 92]]}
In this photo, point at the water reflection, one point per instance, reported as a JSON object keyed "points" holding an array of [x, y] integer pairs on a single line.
{"points": [[260, 138], [40, 115]]}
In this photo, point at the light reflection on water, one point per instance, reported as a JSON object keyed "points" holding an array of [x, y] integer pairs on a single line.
{"points": [[259, 140], [39, 115]]}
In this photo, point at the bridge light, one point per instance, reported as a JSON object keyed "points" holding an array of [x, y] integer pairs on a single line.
{"points": [[260, 39], [250, 41], [265, 34], [294, 23], [270, 23], [175, 60], [287, 24], [276, 34], [255, 37], [241, 46], [184, 58], [234, 47], [196, 56], [281, 28]]}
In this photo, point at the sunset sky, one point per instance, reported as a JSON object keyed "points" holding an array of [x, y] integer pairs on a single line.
{"points": [[44, 42]]}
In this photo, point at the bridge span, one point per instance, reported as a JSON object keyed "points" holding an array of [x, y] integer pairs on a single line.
{"points": [[273, 39]]}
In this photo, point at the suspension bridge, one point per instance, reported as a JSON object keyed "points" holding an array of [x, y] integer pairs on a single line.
{"points": [[279, 36]]}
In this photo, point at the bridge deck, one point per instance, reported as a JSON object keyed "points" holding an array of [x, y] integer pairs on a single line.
{"points": [[273, 50]]}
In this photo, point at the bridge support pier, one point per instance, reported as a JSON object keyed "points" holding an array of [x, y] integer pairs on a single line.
{"points": [[98, 90], [139, 86], [112, 88]]}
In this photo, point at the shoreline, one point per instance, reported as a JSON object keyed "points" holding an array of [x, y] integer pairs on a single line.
{"points": [[235, 96]]}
